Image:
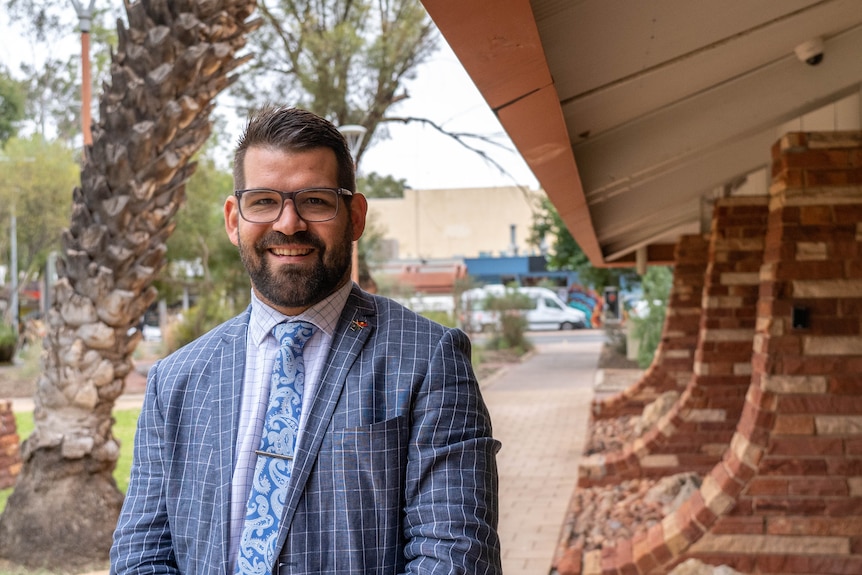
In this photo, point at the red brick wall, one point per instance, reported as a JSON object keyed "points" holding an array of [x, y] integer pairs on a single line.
{"points": [[786, 497], [672, 366], [696, 432]]}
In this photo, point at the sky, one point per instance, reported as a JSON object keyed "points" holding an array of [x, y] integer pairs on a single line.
{"points": [[441, 92], [426, 159]]}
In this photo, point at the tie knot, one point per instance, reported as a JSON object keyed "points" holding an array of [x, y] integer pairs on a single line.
{"points": [[293, 334]]}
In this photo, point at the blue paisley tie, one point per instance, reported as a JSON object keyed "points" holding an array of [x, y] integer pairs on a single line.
{"points": [[257, 552]]}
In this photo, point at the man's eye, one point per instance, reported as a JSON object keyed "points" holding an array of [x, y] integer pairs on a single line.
{"points": [[262, 201]]}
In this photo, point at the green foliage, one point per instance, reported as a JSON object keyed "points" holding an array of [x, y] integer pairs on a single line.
{"points": [[12, 105], [36, 182], [211, 310], [441, 317], [376, 186], [343, 60], [566, 254], [200, 256], [53, 82], [647, 329], [8, 334], [512, 329]]}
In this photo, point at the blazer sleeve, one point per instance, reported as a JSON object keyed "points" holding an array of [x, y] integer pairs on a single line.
{"points": [[451, 484], [142, 539]]}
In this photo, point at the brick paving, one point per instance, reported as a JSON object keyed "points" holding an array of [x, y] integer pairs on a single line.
{"points": [[540, 412]]}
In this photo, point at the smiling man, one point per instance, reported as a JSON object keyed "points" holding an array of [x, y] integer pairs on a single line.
{"points": [[325, 429]]}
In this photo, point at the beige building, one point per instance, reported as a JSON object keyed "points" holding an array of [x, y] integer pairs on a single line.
{"points": [[455, 223]]}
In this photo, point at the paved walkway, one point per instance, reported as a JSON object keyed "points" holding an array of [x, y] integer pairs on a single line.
{"points": [[540, 412]]}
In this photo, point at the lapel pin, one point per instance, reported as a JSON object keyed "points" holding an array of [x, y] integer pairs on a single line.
{"points": [[357, 324]]}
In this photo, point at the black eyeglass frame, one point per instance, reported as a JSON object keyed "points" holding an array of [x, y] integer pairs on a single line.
{"points": [[290, 196]]}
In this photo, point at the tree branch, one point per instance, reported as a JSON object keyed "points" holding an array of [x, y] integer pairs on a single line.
{"points": [[463, 138]]}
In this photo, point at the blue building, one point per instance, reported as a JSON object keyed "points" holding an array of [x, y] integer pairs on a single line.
{"points": [[519, 270]]}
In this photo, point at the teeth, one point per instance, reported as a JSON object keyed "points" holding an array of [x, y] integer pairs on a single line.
{"points": [[290, 252]]}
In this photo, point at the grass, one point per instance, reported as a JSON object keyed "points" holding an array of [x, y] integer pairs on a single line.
{"points": [[124, 431]]}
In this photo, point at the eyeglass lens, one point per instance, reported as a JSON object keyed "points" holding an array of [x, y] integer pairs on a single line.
{"points": [[263, 206]]}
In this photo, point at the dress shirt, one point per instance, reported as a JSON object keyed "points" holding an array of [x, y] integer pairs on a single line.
{"points": [[261, 350]]}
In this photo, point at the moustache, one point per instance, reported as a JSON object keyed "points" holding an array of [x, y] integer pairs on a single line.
{"points": [[302, 238]]}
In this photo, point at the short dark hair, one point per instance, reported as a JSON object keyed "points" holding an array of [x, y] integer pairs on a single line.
{"points": [[293, 129]]}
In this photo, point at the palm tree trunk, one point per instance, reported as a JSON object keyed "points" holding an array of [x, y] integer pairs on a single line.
{"points": [[172, 61]]}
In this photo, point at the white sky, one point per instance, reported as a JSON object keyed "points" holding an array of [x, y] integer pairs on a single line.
{"points": [[444, 93], [441, 92]]}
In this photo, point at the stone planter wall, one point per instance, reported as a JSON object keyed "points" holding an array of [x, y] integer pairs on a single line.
{"points": [[10, 452]]}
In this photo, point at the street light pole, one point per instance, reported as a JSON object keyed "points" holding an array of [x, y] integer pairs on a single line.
{"points": [[13, 268], [354, 134], [85, 16]]}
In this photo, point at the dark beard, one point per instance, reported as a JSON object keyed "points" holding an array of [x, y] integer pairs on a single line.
{"points": [[293, 287]]}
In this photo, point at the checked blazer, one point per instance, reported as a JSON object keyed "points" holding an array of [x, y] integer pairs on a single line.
{"points": [[395, 471]]}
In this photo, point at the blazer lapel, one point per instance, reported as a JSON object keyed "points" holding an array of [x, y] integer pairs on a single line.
{"points": [[357, 323], [225, 395]]}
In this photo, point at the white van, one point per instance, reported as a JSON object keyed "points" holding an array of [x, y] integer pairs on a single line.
{"points": [[545, 310]]}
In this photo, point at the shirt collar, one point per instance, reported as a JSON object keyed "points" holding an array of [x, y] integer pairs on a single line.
{"points": [[324, 314]]}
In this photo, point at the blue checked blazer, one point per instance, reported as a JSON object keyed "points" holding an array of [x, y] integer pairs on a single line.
{"points": [[396, 471]]}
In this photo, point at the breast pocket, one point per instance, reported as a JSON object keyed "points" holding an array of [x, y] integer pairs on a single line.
{"points": [[369, 468], [371, 459]]}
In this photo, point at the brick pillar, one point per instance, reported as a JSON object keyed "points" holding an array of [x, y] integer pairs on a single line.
{"points": [[697, 430], [786, 497], [10, 452], [672, 365]]}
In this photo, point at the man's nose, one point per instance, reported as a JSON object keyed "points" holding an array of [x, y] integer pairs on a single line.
{"points": [[289, 221]]}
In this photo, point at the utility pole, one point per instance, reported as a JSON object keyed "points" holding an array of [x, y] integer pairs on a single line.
{"points": [[13, 265], [85, 16]]}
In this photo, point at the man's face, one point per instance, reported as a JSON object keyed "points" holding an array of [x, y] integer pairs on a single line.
{"points": [[294, 264]]}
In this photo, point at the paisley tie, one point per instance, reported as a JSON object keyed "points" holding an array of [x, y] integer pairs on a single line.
{"points": [[257, 552]]}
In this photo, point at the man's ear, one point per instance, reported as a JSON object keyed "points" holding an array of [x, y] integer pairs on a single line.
{"points": [[231, 219], [358, 213]]}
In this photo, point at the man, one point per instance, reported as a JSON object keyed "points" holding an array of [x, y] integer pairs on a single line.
{"points": [[394, 467]]}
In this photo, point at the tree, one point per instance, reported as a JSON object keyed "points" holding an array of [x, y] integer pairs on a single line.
{"points": [[52, 81], [171, 61], [220, 285], [34, 185], [346, 61], [376, 186], [647, 328], [566, 254], [12, 102], [200, 237]]}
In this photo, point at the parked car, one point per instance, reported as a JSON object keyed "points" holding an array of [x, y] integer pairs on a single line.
{"points": [[542, 308]]}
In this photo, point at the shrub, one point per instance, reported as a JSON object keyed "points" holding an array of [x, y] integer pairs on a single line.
{"points": [[510, 332], [210, 311]]}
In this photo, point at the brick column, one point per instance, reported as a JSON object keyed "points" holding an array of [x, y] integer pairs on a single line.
{"points": [[786, 497], [10, 452], [672, 365], [697, 430]]}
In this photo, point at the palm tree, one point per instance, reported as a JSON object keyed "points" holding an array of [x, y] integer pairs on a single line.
{"points": [[171, 62]]}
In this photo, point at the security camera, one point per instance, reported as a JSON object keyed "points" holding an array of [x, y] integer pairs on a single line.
{"points": [[810, 51]]}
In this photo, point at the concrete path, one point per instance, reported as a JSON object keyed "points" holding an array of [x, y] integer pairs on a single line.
{"points": [[540, 411]]}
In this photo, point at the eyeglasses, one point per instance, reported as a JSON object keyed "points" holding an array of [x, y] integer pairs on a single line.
{"points": [[264, 206]]}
